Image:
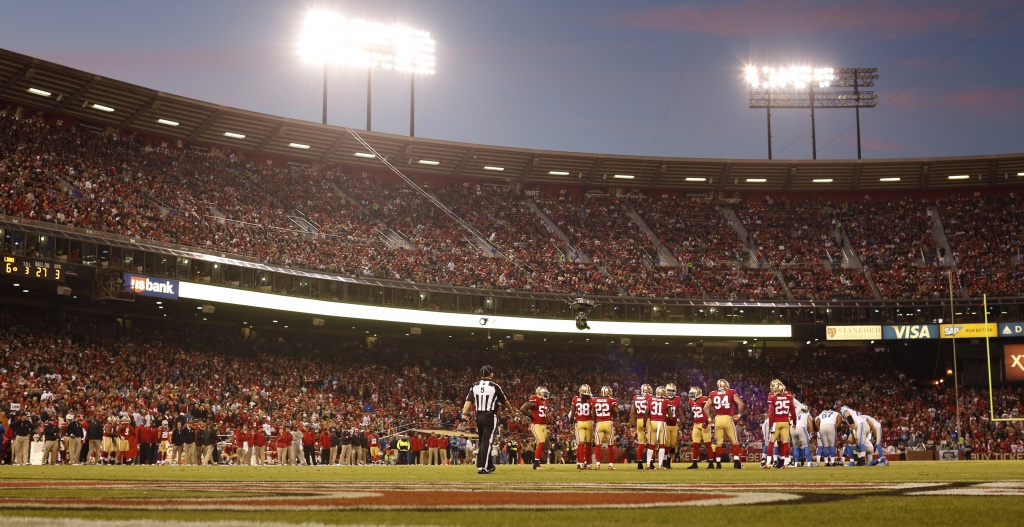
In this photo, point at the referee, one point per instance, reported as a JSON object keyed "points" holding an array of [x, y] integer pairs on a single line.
{"points": [[487, 397]]}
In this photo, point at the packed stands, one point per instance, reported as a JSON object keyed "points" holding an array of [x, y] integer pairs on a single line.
{"points": [[306, 216], [97, 366]]}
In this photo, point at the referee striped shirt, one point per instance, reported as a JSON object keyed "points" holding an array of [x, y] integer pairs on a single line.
{"points": [[486, 396]]}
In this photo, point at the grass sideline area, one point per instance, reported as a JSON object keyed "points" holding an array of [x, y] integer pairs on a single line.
{"points": [[910, 493]]}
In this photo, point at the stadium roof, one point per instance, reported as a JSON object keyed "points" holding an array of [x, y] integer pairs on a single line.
{"points": [[96, 99]]}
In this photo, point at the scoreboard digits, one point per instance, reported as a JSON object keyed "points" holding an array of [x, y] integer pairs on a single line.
{"points": [[16, 266]]}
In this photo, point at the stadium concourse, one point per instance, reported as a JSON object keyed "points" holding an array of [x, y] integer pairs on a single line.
{"points": [[55, 364], [554, 239]]}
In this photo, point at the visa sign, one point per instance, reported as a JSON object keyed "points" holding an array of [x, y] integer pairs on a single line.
{"points": [[968, 331], [908, 332], [146, 286]]}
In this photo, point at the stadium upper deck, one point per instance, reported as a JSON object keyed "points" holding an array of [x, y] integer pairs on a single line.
{"points": [[74, 93], [152, 184]]}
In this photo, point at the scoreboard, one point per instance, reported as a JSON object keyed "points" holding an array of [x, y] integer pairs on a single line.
{"points": [[22, 267]]}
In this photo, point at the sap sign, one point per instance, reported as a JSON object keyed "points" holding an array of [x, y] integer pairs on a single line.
{"points": [[921, 331], [968, 331], [146, 286]]}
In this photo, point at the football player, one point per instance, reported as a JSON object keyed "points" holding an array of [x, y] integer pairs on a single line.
{"points": [[582, 411], [164, 433], [780, 419], [728, 408], [657, 428], [606, 409], [537, 410], [826, 424], [109, 452], [766, 435], [802, 430], [876, 437], [638, 420], [672, 422], [701, 429], [860, 432]]}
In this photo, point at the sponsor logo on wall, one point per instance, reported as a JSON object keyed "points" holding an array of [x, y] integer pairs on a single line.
{"points": [[146, 286]]}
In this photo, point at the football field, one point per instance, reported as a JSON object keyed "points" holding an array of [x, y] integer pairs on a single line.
{"points": [[910, 493]]}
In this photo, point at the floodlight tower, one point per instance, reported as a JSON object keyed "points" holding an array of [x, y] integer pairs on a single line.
{"points": [[329, 38], [807, 87]]}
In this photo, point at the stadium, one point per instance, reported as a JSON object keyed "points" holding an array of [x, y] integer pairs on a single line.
{"points": [[312, 302]]}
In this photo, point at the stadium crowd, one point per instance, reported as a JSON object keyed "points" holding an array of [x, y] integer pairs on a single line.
{"points": [[305, 398], [326, 218]]}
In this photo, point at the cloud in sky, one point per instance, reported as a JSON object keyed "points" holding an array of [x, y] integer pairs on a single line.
{"points": [[757, 18], [988, 100]]}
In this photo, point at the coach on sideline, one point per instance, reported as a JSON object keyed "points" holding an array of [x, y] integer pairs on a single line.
{"points": [[487, 397]]}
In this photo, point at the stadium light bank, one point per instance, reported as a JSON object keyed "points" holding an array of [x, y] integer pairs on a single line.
{"points": [[810, 87], [331, 39]]}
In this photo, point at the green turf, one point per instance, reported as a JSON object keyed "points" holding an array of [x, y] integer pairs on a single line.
{"points": [[888, 507]]}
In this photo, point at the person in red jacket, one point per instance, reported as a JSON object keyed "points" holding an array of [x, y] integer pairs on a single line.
{"points": [[418, 449], [284, 445], [309, 445], [259, 442], [325, 446], [243, 446]]}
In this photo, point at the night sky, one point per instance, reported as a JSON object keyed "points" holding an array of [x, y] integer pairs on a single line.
{"points": [[596, 76]]}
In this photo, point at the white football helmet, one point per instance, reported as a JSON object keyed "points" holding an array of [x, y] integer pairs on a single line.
{"points": [[671, 390], [723, 384]]}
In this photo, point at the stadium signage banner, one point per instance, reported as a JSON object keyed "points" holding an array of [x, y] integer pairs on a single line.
{"points": [[1013, 359], [910, 332], [322, 308], [145, 286], [968, 331], [1011, 329], [853, 333]]}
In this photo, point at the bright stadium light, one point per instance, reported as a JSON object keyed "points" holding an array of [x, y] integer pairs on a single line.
{"points": [[810, 87], [329, 38], [792, 77], [333, 39]]}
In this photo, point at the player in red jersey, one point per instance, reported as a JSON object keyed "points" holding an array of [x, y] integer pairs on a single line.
{"points": [[373, 442], [606, 409], [701, 427], [108, 454], [536, 408], [127, 442], [657, 432], [164, 436], [638, 419], [728, 408], [781, 410], [671, 422], [583, 412]]}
